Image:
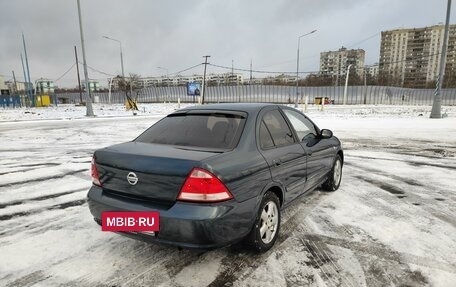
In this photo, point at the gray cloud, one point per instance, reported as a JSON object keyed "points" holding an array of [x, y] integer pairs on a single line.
{"points": [[176, 34]]}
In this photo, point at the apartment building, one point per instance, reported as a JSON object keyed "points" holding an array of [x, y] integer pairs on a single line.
{"points": [[44, 86], [2, 83], [282, 79], [178, 80], [335, 63], [15, 87], [372, 70], [94, 85], [411, 57], [224, 79]]}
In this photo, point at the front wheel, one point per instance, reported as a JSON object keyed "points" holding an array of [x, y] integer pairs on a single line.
{"points": [[267, 224], [332, 183]]}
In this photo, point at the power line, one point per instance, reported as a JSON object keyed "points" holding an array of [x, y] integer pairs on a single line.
{"points": [[184, 70], [364, 40], [277, 64], [311, 57], [67, 71], [311, 72], [262, 72], [111, 75], [99, 71], [406, 60]]}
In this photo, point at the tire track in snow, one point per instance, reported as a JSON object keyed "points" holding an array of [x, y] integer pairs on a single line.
{"points": [[371, 247], [39, 198], [382, 251], [29, 279], [26, 167], [410, 162], [64, 205], [72, 172], [439, 210], [324, 264], [172, 262], [380, 172], [377, 251]]}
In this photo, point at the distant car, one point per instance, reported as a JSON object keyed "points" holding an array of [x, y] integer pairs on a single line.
{"points": [[328, 101], [217, 174]]}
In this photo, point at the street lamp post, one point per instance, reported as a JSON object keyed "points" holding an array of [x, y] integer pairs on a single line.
{"points": [[346, 84], [89, 109], [297, 66], [167, 80], [437, 102], [121, 54]]}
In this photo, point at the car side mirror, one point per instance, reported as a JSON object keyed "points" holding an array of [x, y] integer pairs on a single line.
{"points": [[326, 134]]}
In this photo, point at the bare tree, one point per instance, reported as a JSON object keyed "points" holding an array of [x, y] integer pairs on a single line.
{"points": [[130, 86], [317, 80]]}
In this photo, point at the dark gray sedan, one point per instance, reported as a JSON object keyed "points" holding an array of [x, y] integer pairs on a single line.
{"points": [[217, 174]]}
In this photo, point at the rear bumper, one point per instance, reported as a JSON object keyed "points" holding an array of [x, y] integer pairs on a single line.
{"points": [[188, 225]]}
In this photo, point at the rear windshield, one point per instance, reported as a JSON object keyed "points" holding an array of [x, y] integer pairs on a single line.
{"points": [[210, 130]]}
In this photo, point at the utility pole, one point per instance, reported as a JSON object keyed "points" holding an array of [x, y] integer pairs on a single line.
{"points": [[203, 88], [89, 109], [250, 71], [437, 103], [79, 79], [25, 80], [297, 66], [365, 86], [167, 83], [29, 91], [15, 83], [346, 84]]}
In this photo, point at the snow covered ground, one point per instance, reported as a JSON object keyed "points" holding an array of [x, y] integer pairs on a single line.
{"points": [[391, 223]]}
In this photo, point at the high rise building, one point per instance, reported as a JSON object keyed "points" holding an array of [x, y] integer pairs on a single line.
{"points": [[372, 70], [335, 63], [44, 86], [2, 83], [411, 57]]}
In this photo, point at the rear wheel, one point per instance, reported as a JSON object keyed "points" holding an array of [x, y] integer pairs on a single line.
{"points": [[267, 224], [332, 183]]}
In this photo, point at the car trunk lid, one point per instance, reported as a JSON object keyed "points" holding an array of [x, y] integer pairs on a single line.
{"points": [[160, 169]]}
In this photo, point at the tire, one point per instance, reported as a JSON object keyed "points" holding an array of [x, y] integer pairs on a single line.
{"points": [[263, 234], [334, 177]]}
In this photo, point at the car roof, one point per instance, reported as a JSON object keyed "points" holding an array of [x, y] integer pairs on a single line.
{"points": [[241, 107]]}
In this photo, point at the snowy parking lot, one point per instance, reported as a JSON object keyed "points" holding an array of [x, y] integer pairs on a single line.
{"points": [[391, 223]]}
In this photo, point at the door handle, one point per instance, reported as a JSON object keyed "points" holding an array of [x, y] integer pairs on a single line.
{"points": [[277, 162]]}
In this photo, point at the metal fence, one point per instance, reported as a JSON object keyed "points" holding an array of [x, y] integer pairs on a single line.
{"points": [[279, 94]]}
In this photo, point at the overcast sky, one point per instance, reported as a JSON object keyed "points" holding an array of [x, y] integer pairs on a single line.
{"points": [[175, 34]]}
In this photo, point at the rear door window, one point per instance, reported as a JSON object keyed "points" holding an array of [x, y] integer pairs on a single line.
{"points": [[202, 130], [265, 137], [278, 128]]}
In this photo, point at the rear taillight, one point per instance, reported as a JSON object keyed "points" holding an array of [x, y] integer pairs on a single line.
{"points": [[94, 173], [202, 186]]}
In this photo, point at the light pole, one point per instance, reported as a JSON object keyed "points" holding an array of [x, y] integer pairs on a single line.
{"points": [[121, 55], [29, 81], [297, 66], [437, 103], [167, 80], [89, 109], [109, 91], [346, 84], [203, 86]]}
